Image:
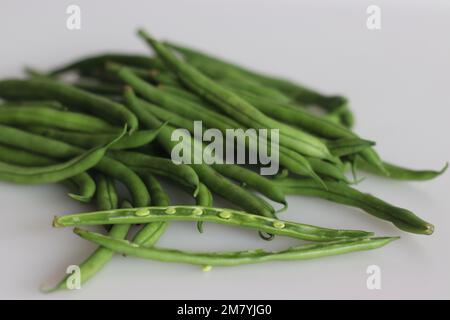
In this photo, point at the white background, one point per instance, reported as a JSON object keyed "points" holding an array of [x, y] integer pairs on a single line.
{"points": [[397, 79]]}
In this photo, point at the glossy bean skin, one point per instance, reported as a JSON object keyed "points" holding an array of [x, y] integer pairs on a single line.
{"points": [[86, 140], [291, 159], [304, 252], [61, 150], [70, 96], [235, 106], [295, 91], [347, 146], [159, 166], [98, 61], [206, 214], [52, 173], [151, 232], [212, 179], [48, 117], [253, 180], [82, 185], [107, 199], [203, 199], [312, 123], [341, 193], [399, 172]]}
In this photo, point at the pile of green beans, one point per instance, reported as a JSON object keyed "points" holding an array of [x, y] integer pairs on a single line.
{"points": [[113, 124]]}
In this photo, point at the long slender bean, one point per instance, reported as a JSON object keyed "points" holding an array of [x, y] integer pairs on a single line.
{"points": [[304, 252], [70, 96], [159, 166], [55, 172], [106, 198], [61, 150], [346, 146], [215, 181], [82, 185], [297, 92], [86, 140], [151, 232], [292, 160], [206, 214], [342, 193], [236, 106], [48, 117], [401, 173]]}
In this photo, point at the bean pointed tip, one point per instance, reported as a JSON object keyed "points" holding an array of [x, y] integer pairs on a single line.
{"points": [[56, 223], [429, 229]]}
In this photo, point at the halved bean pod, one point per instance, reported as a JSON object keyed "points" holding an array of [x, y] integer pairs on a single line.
{"points": [[206, 214]]}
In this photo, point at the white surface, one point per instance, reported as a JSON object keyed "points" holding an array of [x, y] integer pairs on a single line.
{"points": [[397, 79]]}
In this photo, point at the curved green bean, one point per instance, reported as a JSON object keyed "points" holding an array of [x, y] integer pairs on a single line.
{"points": [[342, 193], [400, 173], [304, 252], [86, 140], [159, 166], [70, 96], [52, 118], [82, 183], [61, 150], [55, 172]]}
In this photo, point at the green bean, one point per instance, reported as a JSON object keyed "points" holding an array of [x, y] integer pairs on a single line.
{"points": [[212, 119], [99, 87], [206, 214], [98, 61], [60, 150], [55, 172], [250, 178], [43, 103], [328, 170], [70, 96], [106, 198], [292, 160], [304, 252], [341, 193], [236, 106], [159, 166], [400, 173], [312, 123], [150, 233], [346, 146], [293, 90], [82, 183], [175, 90], [43, 116], [203, 199], [86, 140], [212, 179]]}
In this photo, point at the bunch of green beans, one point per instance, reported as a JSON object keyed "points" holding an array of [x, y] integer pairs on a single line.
{"points": [[116, 121]]}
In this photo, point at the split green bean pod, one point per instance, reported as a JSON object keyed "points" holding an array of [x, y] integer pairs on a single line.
{"points": [[206, 214], [238, 257]]}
